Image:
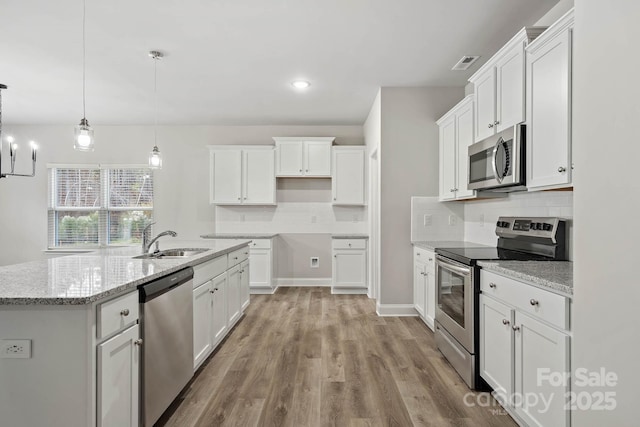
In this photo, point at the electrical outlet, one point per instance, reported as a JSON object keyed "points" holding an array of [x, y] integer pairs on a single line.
{"points": [[453, 220], [314, 219], [15, 349], [315, 262], [428, 220]]}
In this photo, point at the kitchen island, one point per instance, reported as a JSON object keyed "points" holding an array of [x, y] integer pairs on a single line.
{"points": [[69, 330]]}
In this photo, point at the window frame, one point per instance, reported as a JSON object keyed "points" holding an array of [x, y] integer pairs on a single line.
{"points": [[103, 208]]}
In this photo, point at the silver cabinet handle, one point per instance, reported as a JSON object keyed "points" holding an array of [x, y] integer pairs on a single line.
{"points": [[335, 256], [335, 198], [505, 322], [430, 259], [490, 125], [349, 244], [307, 170], [492, 285], [254, 243], [212, 292], [496, 123], [515, 328], [239, 198], [235, 257], [300, 170], [452, 190], [138, 342], [534, 302], [418, 253], [124, 312], [562, 169], [246, 253]]}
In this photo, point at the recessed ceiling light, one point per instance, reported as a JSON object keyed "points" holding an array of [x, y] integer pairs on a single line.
{"points": [[300, 84]]}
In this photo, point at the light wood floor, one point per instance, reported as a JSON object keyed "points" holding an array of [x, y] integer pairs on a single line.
{"points": [[304, 357]]}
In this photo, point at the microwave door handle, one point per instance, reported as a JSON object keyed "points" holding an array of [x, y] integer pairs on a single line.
{"points": [[494, 161]]}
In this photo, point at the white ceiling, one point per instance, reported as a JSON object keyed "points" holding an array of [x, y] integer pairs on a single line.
{"points": [[230, 62]]}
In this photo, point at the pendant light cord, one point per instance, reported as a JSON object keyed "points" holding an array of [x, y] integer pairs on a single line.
{"points": [[155, 93], [84, 59]]}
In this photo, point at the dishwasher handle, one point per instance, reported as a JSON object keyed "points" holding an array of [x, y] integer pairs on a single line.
{"points": [[154, 289]]}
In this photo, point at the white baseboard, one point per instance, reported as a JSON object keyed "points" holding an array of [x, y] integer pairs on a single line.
{"points": [[262, 291], [349, 291], [396, 310], [287, 282]]}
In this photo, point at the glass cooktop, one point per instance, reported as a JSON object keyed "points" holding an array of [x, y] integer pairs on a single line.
{"points": [[469, 256]]}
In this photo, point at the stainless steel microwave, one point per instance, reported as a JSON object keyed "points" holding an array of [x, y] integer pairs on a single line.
{"points": [[497, 163]]}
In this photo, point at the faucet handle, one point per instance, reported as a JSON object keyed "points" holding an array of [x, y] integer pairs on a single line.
{"points": [[147, 227]]}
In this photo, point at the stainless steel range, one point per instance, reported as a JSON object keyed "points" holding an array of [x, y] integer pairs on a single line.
{"points": [[458, 284]]}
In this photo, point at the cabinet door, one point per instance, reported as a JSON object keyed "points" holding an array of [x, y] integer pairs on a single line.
{"points": [[118, 379], [259, 177], [260, 268], [233, 295], [317, 158], [540, 349], [219, 309], [419, 287], [349, 268], [244, 285], [202, 333], [348, 176], [549, 113], [225, 177], [464, 138], [496, 346], [510, 88], [289, 158], [448, 159], [485, 96]]}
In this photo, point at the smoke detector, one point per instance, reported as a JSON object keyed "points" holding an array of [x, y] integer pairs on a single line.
{"points": [[465, 62]]}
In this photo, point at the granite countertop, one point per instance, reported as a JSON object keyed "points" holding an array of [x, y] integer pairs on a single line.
{"points": [[554, 276], [431, 245], [239, 235], [92, 276], [349, 236]]}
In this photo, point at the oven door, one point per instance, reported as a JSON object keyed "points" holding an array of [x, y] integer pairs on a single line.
{"points": [[497, 161], [454, 308]]}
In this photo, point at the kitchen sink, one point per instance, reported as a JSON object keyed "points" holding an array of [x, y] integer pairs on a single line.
{"points": [[173, 253]]}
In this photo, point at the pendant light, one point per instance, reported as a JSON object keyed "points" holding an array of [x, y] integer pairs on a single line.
{"points": [[83, 140], [155, 157]]}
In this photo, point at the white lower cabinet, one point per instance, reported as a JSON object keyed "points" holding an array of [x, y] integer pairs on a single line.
{"points": [[219, 315], [349, 266], [522, 352], [261, 255], [244, 285], [234, 308], [202, 311], [424, 291], [118, 379]]}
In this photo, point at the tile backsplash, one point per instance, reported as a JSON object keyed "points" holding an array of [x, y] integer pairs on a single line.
{"points": [[433, 220]]}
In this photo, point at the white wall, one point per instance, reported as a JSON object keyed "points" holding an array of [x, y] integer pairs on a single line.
{"points": [[181, 187], [408, 167], [555, 13], [606, 151]]}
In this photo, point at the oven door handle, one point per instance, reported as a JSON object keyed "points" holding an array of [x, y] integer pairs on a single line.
{"points": [[458, 269], [494, 161]]}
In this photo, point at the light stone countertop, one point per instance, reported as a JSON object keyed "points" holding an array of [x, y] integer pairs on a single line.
{"points": [[553, 276], [349, 236], [89, 277], [239, 235], [431, 245]]}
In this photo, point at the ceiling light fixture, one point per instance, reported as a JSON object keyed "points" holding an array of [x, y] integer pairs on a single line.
{"points": [[155, 158], [300, 84], [83, 140], [13, 149]]}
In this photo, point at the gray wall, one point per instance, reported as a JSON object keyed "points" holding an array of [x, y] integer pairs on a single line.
{"points": [[409, 167], [182, 186], [294, 252], [606, 197]]}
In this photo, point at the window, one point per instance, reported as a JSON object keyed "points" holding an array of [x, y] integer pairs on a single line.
{"points": [[92, 206]]}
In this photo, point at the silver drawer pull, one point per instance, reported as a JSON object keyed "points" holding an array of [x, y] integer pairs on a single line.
{"points": [[246, 253], [505, 322], [515, 328], [430, 259], [492, 285], [138, 342], [534, 302], [124, 312]]}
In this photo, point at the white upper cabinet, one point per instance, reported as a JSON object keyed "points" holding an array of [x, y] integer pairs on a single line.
{"points": [[456, 134], [499, 87], [303, 156], [242, 175], [348, 177], [548, 145]]}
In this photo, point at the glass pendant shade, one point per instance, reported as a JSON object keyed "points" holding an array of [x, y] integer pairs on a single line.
{"points": [[155, 158], [83, 136]]}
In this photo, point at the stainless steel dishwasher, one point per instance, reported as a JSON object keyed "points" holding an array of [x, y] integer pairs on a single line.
{"points": [[166, 310]]}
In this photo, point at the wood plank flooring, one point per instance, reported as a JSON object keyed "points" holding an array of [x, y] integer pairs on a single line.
{"points": [[304, 357]]}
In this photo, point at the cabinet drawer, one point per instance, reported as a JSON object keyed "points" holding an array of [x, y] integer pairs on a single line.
{"points": [[239, 255], [117, 314], [536, 302], [349, 244], [208, 270], [425, 256], [260, 244]]}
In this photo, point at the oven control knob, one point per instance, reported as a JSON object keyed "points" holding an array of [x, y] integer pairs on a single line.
{"points": [[547, 227]]}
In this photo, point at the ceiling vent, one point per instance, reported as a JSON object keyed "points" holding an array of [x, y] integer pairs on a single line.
{"points": [[465, 63]]}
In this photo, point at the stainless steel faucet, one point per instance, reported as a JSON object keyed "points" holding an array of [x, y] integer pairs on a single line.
{"points": [[147, 242]]}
